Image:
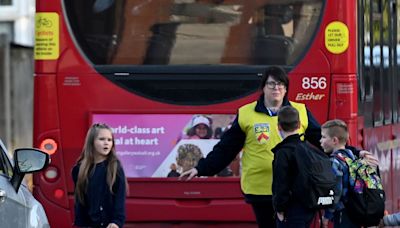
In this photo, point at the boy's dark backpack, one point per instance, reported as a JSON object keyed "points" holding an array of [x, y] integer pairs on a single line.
{"points": [[315, 182], [365, 196]]}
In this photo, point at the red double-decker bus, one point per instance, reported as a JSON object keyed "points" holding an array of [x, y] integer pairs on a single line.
{"points": [[152, 69]]}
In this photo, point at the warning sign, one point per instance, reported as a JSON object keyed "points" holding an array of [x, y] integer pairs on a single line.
{"points": [[336, 37], [47, 43]]}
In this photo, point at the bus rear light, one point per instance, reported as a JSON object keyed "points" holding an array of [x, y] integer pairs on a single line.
{"points": [[51, 173], [58, 193], [49, 146]]}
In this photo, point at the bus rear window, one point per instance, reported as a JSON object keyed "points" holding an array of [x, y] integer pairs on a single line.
{"points": [[193, 32]]}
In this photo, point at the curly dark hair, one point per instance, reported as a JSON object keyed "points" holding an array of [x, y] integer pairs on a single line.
{"points": [[190, 153]]}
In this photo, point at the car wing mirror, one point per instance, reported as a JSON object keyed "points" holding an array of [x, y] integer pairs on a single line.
{"points": [[27, 160]]}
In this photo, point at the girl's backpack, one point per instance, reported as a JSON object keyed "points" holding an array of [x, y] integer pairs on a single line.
{"points": [[365, 197]]}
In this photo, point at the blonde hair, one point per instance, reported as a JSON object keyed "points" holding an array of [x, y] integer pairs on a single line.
{"points": [[337, 128], [87, 162]]}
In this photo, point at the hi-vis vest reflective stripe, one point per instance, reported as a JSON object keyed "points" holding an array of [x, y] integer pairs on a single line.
{"points": [[262, 135]]}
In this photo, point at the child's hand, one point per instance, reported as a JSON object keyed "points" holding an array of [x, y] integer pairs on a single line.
{"points": [[281, 216], [112, 225]]}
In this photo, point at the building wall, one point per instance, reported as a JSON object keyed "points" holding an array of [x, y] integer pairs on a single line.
{"points": [[16, 72], [21, 96], [16, 97]]}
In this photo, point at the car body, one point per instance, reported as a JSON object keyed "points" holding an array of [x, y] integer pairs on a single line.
{"points": [[18, 207]]}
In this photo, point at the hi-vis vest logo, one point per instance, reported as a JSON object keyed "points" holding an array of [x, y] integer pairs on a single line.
{"points": [[262, 131]]}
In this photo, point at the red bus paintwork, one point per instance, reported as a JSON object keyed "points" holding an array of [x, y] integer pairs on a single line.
{"points": [[154, 202]]}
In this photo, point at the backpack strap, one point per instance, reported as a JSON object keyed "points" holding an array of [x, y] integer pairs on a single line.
{"points": [[346, 158], [340, 157]]}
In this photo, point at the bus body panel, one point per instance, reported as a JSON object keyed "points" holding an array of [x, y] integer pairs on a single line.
{"points": [[378, 141], [54, 211], [69, 92], [395, 168], [345, 12]]}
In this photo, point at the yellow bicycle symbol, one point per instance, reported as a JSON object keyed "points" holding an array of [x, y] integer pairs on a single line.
{"points": [[44, 22]]}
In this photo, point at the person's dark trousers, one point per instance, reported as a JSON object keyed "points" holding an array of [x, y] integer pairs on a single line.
{"points": [[264, 213], [342, 220], [296, 216]]}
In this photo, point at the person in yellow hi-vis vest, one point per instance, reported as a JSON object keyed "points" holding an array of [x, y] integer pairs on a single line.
{"points": [[255, 130]]}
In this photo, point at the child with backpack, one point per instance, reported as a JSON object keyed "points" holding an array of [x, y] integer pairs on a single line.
{"points": [[290, 211], [355, 179]]}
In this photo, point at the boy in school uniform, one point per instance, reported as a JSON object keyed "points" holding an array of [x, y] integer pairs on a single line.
{"points": [[289, 211], [333, 141]]}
